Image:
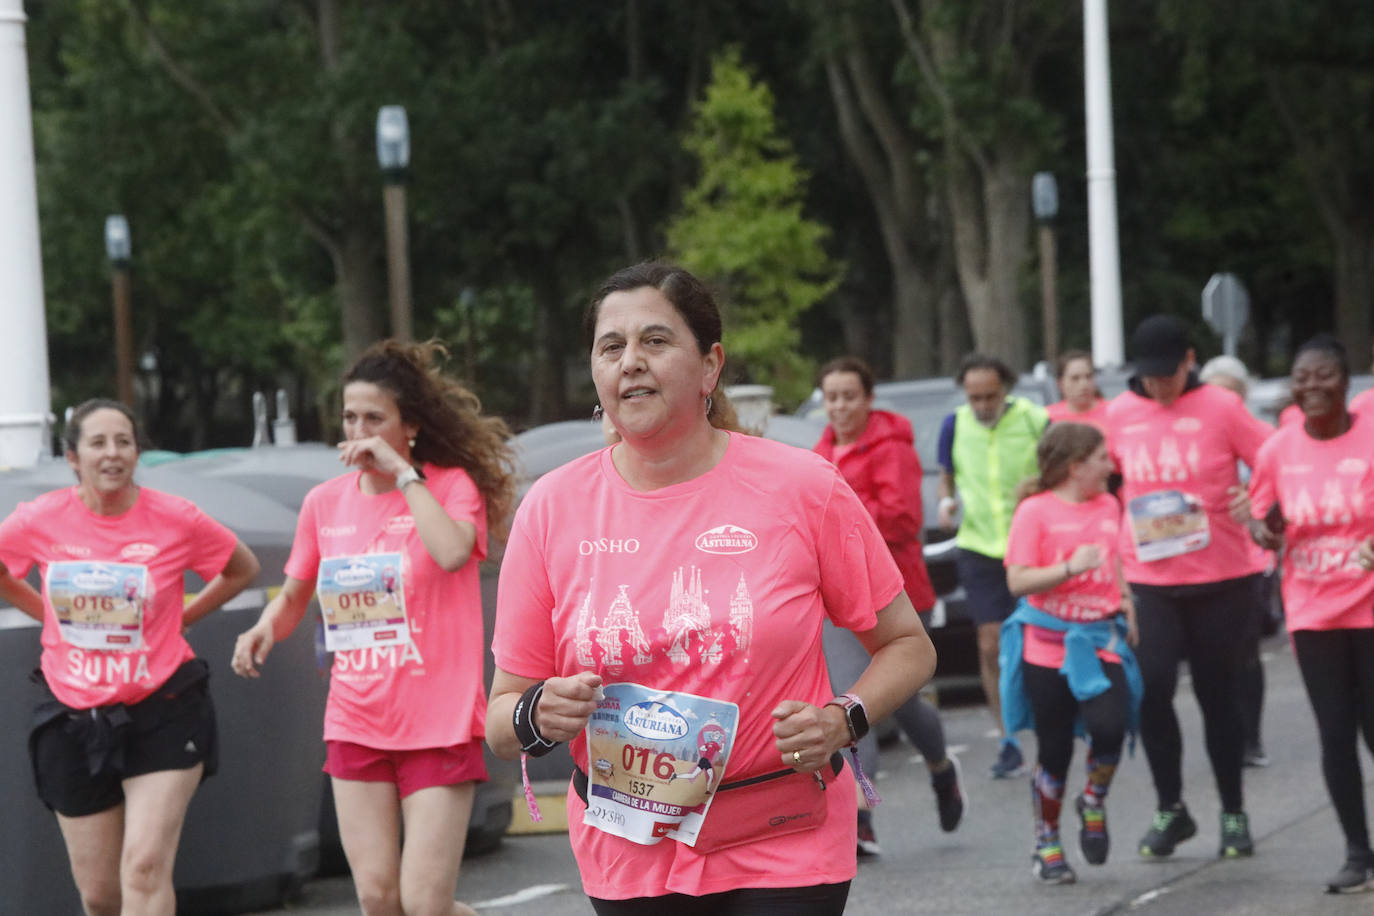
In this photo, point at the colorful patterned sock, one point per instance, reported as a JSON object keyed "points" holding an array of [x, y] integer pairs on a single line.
{"points": [[1047, 795], [1101, 769]]}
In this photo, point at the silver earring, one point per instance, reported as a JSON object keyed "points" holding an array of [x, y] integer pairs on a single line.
{"points": [[596, 413], [708, 405], [411, 441]]}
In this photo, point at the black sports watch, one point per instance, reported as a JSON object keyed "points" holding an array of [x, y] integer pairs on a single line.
{"points": [[855, 716]]}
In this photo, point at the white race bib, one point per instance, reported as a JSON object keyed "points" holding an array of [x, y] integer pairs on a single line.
{"points": [[363, 601], [99, 605], [1168, 523], [656, 758]]}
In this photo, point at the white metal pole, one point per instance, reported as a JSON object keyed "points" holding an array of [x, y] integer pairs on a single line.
{"points": [[1104, 259], [24, 396]]}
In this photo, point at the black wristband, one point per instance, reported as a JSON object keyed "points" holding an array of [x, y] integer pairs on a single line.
{"points": [[526, 732]]}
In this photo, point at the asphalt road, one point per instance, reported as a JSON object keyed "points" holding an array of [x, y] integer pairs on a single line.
{"points": [[984, 866]]}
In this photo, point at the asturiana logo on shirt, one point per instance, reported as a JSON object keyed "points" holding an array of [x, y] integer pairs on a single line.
{"points": [[138, 552], [72, 550], [1355, 466], [655, 721], [1187, 425], [727, 539], [338, 531], [400, 524]]}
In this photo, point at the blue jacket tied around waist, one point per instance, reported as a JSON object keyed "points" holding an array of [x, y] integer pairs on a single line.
{"points": [[1082, 667]]}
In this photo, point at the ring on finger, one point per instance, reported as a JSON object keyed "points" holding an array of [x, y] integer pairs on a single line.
{"points": [[796, 758]]}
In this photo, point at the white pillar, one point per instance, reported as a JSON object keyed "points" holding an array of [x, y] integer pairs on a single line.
{"points": [[24, 396], [1104, 259]]}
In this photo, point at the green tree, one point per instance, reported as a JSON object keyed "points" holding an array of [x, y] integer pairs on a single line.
{"points": [[741, 228]]}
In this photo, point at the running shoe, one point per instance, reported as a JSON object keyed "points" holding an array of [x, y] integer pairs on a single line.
{"points": [[1010, 763], [1255, 756], [1049, 866], [1235, 836], [868, 842], [949, 795], [1092, 833], [1357, 874], [1171, 826]]}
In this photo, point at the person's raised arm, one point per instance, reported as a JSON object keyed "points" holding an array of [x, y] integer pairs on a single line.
{"points": [[241, 569], [281, 616], [448, 541]]}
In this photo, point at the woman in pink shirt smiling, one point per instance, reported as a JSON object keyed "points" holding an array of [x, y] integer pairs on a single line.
{"points": [[127, 731], [1313, 493], [1062, 557], [392, 551], [666, 594]]}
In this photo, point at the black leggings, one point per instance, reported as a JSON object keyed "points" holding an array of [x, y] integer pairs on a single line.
{"points": [[1055, 709], [1338, 669], [816, 900], [1209, 625]]}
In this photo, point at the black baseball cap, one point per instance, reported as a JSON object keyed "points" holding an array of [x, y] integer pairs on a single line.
{"points": [[1158, 345]]}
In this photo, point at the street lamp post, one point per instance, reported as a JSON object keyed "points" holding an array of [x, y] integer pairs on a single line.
{"points": [[119, 249], [393, 154], [1045, 203]]}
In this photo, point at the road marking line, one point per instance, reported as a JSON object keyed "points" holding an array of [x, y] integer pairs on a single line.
{"points": [[534, 892]]}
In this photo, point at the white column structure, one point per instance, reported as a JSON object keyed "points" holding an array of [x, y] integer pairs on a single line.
{"points": [[1104, 257], [24, 394]]}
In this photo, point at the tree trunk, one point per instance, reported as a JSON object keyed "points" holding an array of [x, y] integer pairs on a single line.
{"points": [[888, 169], [548, 400], [359, 285]]}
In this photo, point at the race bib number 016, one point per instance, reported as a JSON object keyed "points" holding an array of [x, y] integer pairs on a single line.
{"points": [[362, 599], [99, 605], [1168, 523], [656, 758]]}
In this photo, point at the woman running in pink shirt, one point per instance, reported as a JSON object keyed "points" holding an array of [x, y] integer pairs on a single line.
{"points": [[1313, 493], [392, 551], [127, 731], [1066, 652], [1191, 568], [677, 579]]}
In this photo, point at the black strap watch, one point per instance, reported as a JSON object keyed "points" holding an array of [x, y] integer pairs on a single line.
{"points": [[855, 716]]}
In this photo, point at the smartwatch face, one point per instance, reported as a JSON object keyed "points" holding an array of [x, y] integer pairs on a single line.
{"points": [[858, 720]]}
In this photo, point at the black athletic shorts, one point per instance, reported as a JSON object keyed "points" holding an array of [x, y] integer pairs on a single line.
{"points": [[80, 757]]}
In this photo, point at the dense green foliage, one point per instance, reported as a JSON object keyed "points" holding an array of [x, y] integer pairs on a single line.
{"points": [[849, 194], [741, 228]]}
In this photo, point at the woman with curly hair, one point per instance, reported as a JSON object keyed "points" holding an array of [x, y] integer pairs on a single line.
{"points": [[393, 551]]}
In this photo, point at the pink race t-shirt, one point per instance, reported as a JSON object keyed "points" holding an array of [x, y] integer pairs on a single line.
{"points": [[1096, 415], [428, 692], [1364, 401], [1177, 465], [131, 566], [1326, 491], [1045, 531], [717, 587]]}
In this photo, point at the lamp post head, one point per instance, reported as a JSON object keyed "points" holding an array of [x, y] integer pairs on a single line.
{"points": [[1044, 196], [393, 141], [118, 243]]}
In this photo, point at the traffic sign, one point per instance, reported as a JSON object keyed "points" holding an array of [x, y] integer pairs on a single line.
{"points": [[1226, 307]]}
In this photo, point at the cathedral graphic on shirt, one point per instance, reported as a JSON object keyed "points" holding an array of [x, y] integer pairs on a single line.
{"points": [[1167, 465], [688, 635]]}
